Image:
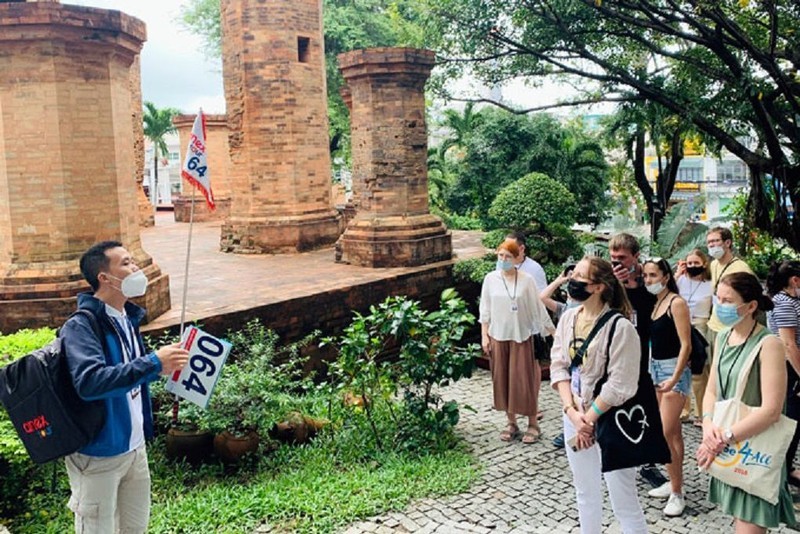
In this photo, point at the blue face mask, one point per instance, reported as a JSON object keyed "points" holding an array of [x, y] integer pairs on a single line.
{"points": [[728, 314], [505, 265]]}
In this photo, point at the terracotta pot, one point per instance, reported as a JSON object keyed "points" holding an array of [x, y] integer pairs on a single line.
{"points": [[297, 428], [194, 446], [232, 448]]}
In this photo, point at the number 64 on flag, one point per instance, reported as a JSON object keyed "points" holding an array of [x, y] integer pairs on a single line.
{"points": [[207, 355]]}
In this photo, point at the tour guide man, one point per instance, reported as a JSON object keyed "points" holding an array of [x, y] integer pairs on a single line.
{"points": [[109, 478]]}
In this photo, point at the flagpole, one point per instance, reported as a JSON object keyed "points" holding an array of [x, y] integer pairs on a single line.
{"points": [[186, 268]]}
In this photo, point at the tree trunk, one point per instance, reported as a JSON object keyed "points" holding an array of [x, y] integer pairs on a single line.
{"points": [[155, 178]]}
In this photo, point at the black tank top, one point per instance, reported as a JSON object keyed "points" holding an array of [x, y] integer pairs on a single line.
{"points": [[664, 340]]}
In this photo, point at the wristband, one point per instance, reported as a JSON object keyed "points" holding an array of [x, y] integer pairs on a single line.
{"points": [[707, 414], [597, 409]]}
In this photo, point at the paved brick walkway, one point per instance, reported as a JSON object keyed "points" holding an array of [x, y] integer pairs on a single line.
{"points": [[528, 488]]}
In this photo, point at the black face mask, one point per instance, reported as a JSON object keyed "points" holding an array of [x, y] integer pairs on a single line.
{"points": [[695, 271], [577, 290]]}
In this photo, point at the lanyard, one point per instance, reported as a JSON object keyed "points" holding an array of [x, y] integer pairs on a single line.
{"points": [[503, 278], [739, 350], [127, 337]]}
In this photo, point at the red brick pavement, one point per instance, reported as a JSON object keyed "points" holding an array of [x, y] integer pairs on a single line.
{"points": [[221, 283]]}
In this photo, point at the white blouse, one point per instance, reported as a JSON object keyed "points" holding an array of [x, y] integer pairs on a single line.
{"points": [[697, 294], [513, 319]]}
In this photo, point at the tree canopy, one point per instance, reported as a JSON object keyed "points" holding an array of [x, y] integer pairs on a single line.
{"points": [[500, 147], [728, 69]]}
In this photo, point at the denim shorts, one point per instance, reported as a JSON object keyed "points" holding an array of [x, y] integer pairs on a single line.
{"points": [[661, 370]]}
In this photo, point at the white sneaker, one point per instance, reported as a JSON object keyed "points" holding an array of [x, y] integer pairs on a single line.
{"points": [[675, 505], [661, 492]]}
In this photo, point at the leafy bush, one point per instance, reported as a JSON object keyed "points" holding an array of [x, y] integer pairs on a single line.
{"points": [[764, 250], [474, 269], [534, 200], [429, 356], [493, 238], [16, 468], [454, 221], [20, 343], [261, 384]]}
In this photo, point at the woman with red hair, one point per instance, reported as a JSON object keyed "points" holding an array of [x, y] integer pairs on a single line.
{"points": [[510, 312]]}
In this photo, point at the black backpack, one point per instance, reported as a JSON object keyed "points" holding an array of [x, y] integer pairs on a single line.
{"points": [[50, 418]]}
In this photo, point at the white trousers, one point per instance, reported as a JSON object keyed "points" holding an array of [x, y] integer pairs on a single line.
{"points": [[110, 494], [586, 477]]}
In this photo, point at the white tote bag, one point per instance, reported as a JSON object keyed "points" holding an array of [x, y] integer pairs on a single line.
{"points": [[755, 464]]}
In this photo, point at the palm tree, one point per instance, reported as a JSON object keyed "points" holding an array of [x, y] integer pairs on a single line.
{"points": [[461, 125], [157, 124]]}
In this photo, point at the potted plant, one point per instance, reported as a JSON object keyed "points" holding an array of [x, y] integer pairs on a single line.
{"points": [[234, 412], [188, 437]]}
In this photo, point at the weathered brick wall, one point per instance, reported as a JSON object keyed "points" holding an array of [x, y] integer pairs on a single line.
{"points": [[392, 225], [331, 311], [67, 165], [389, 135], [146, 212], [273, 67], [219, 162]]}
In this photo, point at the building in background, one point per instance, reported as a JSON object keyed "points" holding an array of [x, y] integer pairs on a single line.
{"points": [[169, 172], [700, 174]]}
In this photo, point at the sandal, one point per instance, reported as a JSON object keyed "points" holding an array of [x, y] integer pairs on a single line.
{"points": [[509, 433], [530, 436]]}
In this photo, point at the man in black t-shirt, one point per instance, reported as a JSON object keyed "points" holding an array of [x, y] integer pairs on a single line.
{"points": [[624, 251]]}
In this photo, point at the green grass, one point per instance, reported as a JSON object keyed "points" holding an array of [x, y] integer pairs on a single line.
{"points": [[312, 489]]}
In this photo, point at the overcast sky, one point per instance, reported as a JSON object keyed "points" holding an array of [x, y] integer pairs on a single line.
{"points": [[175, 72]]}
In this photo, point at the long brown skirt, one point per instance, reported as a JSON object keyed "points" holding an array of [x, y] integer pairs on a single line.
{"points": [[514, 377]]}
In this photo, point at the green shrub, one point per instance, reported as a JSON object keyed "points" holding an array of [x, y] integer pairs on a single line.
{"points": [[20, 343], [535, 199], [474, 269], [454, 221], [16, 469], [764, 250], [429, 357]]}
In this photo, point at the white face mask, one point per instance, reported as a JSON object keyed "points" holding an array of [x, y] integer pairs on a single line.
{"points": [[134, 285], [656, 288], [716, 252]]}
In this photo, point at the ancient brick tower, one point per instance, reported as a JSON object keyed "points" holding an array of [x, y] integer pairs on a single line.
{"points": [[67, 165], [274, 74], [393, 226]]}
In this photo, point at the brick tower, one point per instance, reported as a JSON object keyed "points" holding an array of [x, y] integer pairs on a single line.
{"points": [[67, 166], [274, 73], [393, 226]]}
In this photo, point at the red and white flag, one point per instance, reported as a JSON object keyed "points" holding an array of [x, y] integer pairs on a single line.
{"points": [[195, 165]]}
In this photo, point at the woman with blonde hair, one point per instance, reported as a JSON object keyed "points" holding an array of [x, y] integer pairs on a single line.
{"points": [[510, 313], [575, 372], [694, 286]]}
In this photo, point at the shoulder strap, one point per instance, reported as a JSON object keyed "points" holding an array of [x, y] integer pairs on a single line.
{"points": [[608, 346], [744, 373], [93, 323], [604, 378], [585, 346], [721, 274], [669, 306]]}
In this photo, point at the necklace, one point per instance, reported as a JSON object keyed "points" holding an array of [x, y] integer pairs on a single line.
{"points": [[739, 350]]}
